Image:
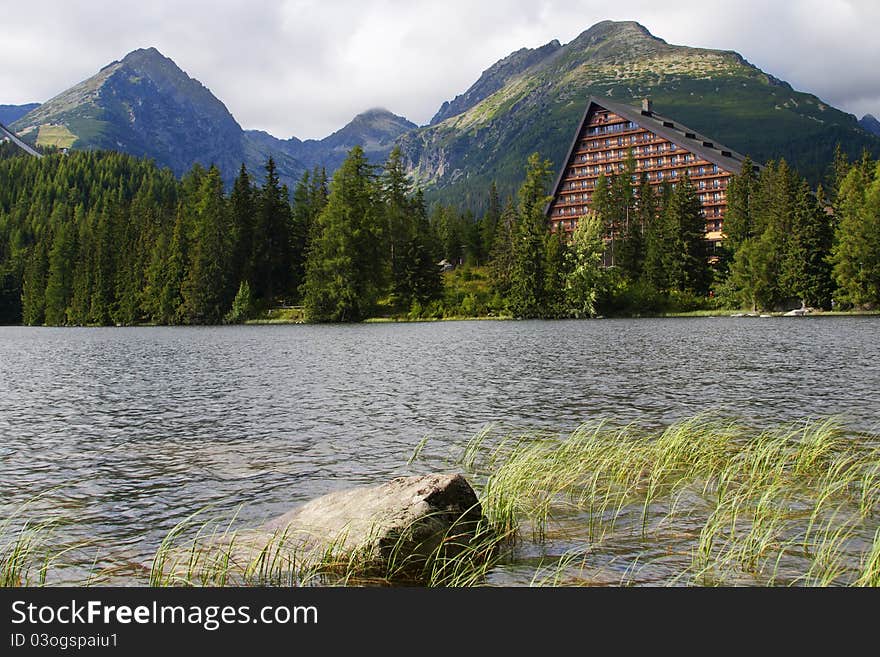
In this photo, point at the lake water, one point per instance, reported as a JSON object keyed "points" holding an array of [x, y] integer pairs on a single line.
{"points": [[123, 432]]}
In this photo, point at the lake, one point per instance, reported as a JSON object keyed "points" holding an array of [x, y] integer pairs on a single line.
{"points": [[124, 432]]}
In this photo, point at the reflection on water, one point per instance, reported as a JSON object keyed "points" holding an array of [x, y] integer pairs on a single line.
{"points": [[126, 431]]}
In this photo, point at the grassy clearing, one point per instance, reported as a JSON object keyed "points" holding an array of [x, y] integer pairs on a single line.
{"points": [[55, 135]]}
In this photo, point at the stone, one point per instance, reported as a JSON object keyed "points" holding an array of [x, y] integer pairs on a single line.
{"points": [[391, 530]]}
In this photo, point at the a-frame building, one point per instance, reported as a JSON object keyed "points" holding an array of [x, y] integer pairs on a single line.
{"points": [[663, 150]]}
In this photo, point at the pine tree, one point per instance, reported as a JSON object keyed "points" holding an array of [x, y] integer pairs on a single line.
{"points": [[272, 240], [206, 289], [689, 266], [419, 279], [345, 262], [738, 225], [33, 296], [242, 206], [807, 273], [62, 255], [528, 279], [856, 252], [242, 305], [503, 257], [309, 199], [489, 222]]}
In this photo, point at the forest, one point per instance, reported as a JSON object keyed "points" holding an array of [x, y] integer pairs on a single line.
{"points": [[103, 238]]}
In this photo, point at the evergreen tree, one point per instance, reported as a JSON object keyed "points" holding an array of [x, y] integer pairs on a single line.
{"points": [[503, 257], [272, 240], [808, 270], [528, 279], [399, 220], [630, 247], [243, 210], [687, 262], [418, 278], [242, 305], [59, 284], [738, 215], [309, 199], [856, 252], [489, 222], [33, 297], [344, 267], [206, 290]]}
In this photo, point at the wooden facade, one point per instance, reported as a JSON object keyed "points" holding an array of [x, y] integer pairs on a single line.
{"points": [[663, 150]]}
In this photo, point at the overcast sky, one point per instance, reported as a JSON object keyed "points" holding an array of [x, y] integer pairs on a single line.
{"points": [[305, 67]]}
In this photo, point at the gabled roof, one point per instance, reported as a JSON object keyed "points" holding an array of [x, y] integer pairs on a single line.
{"points": [[681, 135]]}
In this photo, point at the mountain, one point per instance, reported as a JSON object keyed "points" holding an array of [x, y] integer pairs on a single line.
{"points": [[533, 100], [146, 105], [10, 113], [870, 124], [375, 130]]}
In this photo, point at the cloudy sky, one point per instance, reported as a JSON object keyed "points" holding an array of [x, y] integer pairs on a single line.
{"points": [[305, 67]]}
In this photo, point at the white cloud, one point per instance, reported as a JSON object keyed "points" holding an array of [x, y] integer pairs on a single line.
{"points": [[306, 67]]}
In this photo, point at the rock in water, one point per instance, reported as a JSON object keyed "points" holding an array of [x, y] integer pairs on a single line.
{"points": [[394, 530]]}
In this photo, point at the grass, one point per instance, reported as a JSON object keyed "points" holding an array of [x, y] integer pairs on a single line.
{"points": [[55, 135], [794, 505], [702, 502]]}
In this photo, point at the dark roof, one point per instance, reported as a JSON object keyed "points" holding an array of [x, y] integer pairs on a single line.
{"points": [[681, 135]]}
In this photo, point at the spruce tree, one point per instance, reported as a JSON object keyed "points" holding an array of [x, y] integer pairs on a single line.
{"points": [[345, 262], [808, 271], [738, 215], [502, 256], [272, 240], [856, 252], [206, 291], [489, 222], [242, 207], [62, 256], [528, 276], [33, 296]]}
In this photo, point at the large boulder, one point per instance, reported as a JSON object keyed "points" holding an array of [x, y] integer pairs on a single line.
{"points": [[395, 530]]}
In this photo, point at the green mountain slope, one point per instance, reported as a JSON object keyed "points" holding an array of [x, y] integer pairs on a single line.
{"points": [[537, 107], [10, 113], [145, 105]]}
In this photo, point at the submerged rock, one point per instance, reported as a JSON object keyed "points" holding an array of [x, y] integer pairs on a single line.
{"points": [[396, 529]]}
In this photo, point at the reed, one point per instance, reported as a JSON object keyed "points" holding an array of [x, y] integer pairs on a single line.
{"points": [[784, 506], [705, 501]]}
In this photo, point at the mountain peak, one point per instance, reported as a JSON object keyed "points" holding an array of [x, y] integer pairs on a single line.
{"points": [[373, 128], [870, 124], [612, 38], [141, 54]]}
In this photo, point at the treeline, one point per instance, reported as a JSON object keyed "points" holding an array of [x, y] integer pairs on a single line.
{"points": [[787, 244], [642, 252], [97, 238]]}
